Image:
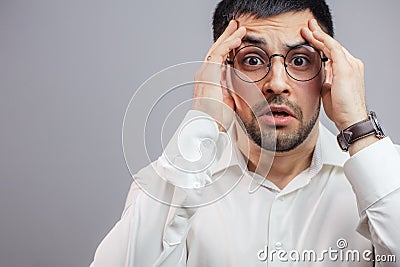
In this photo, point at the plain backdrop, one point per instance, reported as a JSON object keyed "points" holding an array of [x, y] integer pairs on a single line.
{"points": [[67, 72]]}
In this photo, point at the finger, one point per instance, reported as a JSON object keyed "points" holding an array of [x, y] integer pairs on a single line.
{"points": [[232, 42], [308, 35], [239, 33], [220, 52], [334, 47], [230, 29]]}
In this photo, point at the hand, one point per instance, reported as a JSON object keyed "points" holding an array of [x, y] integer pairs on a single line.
{"points": [[210, 91], [343, 93]]}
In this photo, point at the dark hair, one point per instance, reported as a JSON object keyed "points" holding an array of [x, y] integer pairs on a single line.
{"points": [[228, 9]]}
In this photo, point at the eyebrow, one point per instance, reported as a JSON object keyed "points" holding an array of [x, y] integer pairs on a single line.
{"points": [[294, 44], [254, 40], [248, 39]]}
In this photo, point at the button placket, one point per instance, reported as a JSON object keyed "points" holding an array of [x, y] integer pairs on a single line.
{"points": [[276, 230]]}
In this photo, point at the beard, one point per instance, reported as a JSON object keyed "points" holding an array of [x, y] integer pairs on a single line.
{"points": [[275, 140]]}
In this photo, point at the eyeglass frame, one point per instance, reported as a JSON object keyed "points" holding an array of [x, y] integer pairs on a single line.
{"points": [[231, 62]]}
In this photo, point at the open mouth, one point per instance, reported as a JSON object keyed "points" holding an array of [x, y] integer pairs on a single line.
{"points": [[278, 114]]}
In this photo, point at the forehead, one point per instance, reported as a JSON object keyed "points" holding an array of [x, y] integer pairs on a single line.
{"points": [[278, 31]]}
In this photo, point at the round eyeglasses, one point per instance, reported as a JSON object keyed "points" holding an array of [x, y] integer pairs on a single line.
{"points": [[252, 64]]}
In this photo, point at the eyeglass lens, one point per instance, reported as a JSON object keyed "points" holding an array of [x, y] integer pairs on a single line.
{"points": [[252, 63]]}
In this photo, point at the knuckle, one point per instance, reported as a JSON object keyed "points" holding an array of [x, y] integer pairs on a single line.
{"points": [[226, 50], [209, 54]]}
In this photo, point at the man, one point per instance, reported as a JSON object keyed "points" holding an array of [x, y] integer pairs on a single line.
{"points": [[308, 203]]}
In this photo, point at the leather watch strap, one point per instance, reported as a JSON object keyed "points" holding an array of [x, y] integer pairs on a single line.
{"points": [[355, 132], [360, 130]]}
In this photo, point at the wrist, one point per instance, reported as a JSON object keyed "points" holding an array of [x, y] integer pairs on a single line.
{"points": [[362, 143], [361, 130], [351, 120]]}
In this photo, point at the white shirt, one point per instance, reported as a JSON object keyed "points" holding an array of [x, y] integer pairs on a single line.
{"points": [[336, 211]]}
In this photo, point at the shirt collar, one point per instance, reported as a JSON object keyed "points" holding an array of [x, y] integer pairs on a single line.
{"points": [[327, 151], [330, 151]]}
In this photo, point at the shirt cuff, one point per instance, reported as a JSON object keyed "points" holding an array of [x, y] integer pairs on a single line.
{"points": [[194, 148], [374, 172]]}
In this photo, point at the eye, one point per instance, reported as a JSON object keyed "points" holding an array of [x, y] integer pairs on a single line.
{"points": [[253, 61], [299, 61]]}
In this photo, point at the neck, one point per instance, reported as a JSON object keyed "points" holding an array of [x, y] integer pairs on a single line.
{"points": [[279, 167]]}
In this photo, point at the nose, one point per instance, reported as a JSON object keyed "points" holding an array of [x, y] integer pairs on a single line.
{"points": [[276, 82]]}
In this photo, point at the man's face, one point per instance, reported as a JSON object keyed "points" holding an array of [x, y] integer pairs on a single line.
{"points": [[295, 105]]}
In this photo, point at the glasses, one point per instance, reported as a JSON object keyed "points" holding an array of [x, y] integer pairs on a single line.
{"points": [[252, 64]]}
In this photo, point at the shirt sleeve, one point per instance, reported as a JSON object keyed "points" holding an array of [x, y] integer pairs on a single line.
{"points": [[374, 174], [161, 203]]}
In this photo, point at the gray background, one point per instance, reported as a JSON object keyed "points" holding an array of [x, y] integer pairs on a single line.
{"points": [[67, 72]]}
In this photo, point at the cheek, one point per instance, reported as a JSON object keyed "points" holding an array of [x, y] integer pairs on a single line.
{"points": [[243, 110], [309, 97], [249, 92], [314, 86], [246, 95]]}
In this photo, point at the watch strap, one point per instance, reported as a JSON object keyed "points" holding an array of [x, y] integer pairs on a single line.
{"points": [[355, 132]]}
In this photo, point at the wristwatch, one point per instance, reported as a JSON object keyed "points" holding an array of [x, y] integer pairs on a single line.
{"points": [[360, 130]]}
